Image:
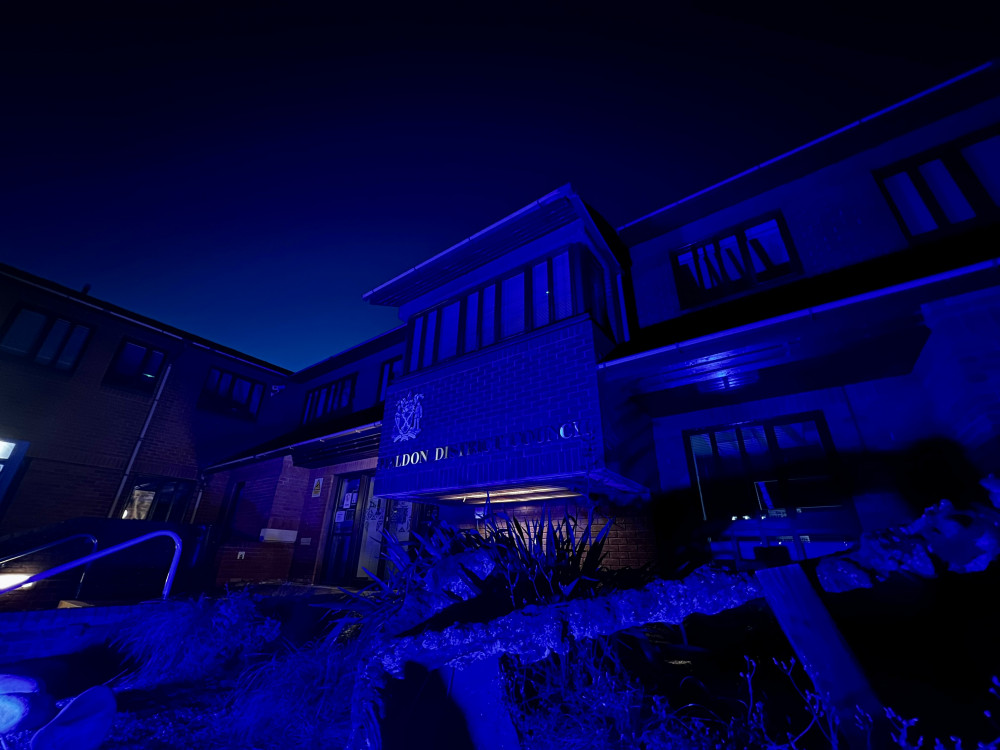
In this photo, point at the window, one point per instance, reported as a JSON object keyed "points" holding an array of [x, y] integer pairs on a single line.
{"points": [[329, 399], [157, 499], [751, 467], [734, 261], [135, 366], [44, 339], [391, 369], [932, 192], [228, 393], [530, 298]]}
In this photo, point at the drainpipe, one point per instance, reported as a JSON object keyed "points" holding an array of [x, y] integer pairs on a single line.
{"points": [[138, 443]]}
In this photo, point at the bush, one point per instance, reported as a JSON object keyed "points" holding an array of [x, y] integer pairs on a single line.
{"points": [[190, 640]]}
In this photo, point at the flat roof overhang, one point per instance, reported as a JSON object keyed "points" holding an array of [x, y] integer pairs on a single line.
{"points": [[872, 335], [597, 485], [547, 214]]}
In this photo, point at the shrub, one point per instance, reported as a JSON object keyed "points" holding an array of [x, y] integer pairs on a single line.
{"points": [[189, 640]]}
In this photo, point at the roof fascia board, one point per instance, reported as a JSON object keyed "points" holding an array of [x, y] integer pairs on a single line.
{"points": [[565, 236], [561, 192], [806, 146]]}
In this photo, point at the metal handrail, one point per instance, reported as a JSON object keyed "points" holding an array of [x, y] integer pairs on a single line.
{"points": [[104, 553], [79, 585]]}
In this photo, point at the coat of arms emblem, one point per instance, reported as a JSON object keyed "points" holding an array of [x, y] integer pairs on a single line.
{"points": [[408, 414]]}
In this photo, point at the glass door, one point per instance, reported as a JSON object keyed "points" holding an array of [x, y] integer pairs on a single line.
{"points": [[341, 554]]}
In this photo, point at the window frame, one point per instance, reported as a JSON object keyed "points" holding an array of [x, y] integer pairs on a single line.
{"points": [[135, 382], [333, 388], [385, 381], [422, 319], [968, 183], [212, 400], [689, 300], [818, 417], [50, 321]]}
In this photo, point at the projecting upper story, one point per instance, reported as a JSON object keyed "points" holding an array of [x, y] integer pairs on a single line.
{"points": [[546, 263], [906, 182]]}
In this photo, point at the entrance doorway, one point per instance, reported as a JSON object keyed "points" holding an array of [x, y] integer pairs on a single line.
{"points": [[356, 533]]}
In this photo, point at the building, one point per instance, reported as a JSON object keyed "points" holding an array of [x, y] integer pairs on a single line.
{"points": [[109, 415], [760, 371]]}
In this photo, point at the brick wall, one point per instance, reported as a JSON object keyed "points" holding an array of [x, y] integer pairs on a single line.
{"points": [[82, 432]]}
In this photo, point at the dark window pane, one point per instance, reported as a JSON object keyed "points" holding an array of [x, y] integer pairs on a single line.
{"points": [[540, 294], [71, 351], [984, 158], [448, 343], [561, 286], [471, 320], [418, 327], [512, 306], [241, 391], [212, 385], [911, 207], [767, 248], [947, 192], [153, 364], [428, 357], [53, 341], [754, 440], [255, 396], [23, 332], [310, 405], [129, 360], [224, 382], [489, 321], [383, 384], [346, 390], [800, 445], [733, 265]]}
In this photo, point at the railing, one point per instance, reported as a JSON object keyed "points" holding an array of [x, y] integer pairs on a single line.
{"points": [[85, 561], [19, 555]]}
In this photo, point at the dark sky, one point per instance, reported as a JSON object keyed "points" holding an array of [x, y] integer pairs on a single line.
{"points": [[246, 172]]}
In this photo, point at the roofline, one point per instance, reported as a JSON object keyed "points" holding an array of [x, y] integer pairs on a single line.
{"points": [[59, 290], [810, 144], [351, 348], [810, 311], [290, 446], [558, 192]]}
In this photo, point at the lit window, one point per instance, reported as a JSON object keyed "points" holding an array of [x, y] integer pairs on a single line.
{"points": [[228, 393], [135, 366], [46, 340], [156, 499]]}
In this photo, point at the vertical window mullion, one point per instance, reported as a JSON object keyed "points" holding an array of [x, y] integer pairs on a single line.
{"points": [[463, 303], [551, 296], [479, 318], [497, 311], [928, 197], [968, 183], [529, 302], [741, 240]]}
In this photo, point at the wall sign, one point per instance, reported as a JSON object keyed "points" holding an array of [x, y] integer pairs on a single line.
{"points": [[540, 436], [318, 487], [408, 414]]}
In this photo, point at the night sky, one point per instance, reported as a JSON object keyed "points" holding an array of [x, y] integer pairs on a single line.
{"points": [[246, 172]]}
